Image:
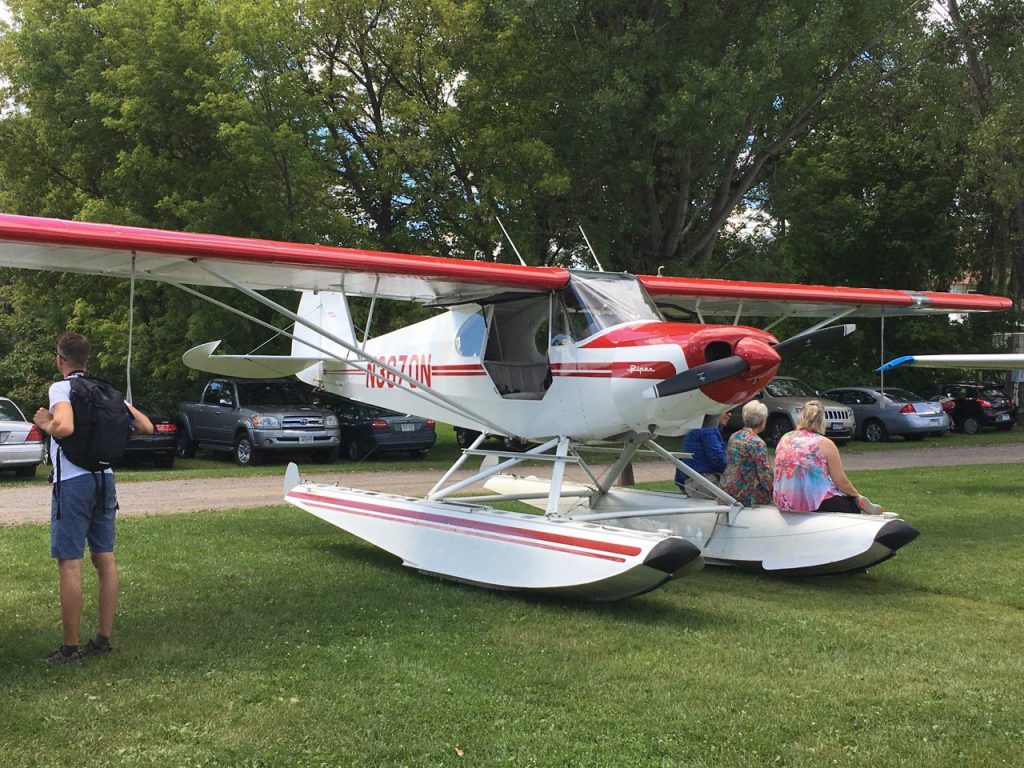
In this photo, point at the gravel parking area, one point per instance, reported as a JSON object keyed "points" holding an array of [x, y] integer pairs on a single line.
{"points": [[30, 504]]}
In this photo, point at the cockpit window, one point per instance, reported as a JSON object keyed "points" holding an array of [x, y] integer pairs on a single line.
{"points": [[594, 301]]}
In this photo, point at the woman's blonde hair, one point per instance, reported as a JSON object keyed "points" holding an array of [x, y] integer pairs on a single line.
{"points": [[754, 413], [812, 417]]}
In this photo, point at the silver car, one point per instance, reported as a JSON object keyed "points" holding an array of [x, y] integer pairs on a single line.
{"points": [[785, 398], [893, 411], [21, 441]]}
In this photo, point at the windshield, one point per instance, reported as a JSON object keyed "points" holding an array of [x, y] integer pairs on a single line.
{"points": [[789, 388], [594, 301], [270, 393]]}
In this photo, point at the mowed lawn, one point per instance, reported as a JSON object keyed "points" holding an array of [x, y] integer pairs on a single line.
{"points": [[269, 638]]}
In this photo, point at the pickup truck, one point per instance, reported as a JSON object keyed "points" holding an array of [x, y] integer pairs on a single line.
{"points": [[251, 417]]}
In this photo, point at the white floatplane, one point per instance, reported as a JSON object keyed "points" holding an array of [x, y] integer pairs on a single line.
{"points": [[564, 360]]}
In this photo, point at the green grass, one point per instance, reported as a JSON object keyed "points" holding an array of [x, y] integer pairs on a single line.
{"points": [[267, 637]]}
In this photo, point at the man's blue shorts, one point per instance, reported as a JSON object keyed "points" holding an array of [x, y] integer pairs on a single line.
{"points": [[88, 504]]}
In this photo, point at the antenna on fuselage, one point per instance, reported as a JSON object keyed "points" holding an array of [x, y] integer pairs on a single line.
{"points": [[507, 235], [590, 248]]}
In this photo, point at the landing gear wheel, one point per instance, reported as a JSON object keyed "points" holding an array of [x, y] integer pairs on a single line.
{"points": [[246, 454], [875, 431]]}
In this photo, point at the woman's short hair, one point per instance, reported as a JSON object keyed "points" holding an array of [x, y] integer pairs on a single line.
{"points": [[754, 413], [812, 417]]}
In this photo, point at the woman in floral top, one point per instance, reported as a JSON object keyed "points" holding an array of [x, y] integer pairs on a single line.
{"points": [[809, 475], [748, 474]]}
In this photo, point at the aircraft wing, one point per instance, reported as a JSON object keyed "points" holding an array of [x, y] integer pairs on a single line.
{"points": [[29, 242], [738, 298], [197, 259], [995, 362]]}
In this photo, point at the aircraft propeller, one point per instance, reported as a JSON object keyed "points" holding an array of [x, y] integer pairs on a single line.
{"points": [[747, 351]]}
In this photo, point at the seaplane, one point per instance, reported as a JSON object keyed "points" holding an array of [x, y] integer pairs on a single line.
{"points": [[573, 363]]}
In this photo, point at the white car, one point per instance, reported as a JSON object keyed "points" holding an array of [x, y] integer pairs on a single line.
{"points": [[21, 441]]}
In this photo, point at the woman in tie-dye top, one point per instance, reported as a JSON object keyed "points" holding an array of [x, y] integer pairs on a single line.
{"points": [[809, 474]]}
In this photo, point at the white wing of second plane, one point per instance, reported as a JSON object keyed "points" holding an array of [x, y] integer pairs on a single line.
{"points": [[996, 362]]}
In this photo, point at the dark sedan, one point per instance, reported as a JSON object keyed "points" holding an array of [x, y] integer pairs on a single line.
{"points": [[368, 430], [159, 447]]}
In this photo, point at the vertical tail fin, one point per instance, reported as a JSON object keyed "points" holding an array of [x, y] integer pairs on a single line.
{"points": [[328, 311]]}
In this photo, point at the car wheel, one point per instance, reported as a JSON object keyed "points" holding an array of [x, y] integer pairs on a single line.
{"points": [[353, 451], [328, 456], [465, 437], [513, 444], [185, 447], [777, 427], [164, 461], [26, 471], [970, 425], [246, 454], [875, 432]]}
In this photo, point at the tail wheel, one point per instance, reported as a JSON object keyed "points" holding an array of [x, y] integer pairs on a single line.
{"points": [[875, 431]]}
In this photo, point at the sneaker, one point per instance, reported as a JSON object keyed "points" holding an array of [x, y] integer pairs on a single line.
{"points": [[59, 657], [92, 648]]}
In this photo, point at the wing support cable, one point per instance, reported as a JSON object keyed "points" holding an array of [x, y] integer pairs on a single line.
{"points": [[422, 391], [131, 330]]}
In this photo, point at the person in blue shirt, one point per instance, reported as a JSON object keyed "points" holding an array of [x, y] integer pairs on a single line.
{"points": [[707, 450]]}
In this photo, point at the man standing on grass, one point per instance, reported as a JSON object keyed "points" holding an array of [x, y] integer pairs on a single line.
{"points": [[82, 508]]}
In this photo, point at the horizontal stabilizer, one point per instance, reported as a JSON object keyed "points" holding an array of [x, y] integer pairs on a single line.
{"points": [[201, 358]]}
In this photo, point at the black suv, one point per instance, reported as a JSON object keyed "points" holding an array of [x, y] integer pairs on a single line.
{"points": [[977, 404]]}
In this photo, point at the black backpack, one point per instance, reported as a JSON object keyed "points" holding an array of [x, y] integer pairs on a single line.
{"points": [[102, 424]]}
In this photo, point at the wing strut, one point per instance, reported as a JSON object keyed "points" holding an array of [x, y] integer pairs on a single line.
{"points": [[420, 390]]}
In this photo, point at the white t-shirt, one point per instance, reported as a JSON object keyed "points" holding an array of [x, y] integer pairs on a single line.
{"points": [[60, 392]]}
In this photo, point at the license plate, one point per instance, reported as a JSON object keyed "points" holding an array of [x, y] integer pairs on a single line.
{"points": [[1003, 417], [406, 427], [837, 426], [305, 438]]}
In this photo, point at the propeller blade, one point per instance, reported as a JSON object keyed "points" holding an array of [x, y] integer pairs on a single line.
{"points": [[701, 375], [802, 342]]}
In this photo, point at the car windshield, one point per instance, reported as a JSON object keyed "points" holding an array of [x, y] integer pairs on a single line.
{"points": [[270, 393], [789, 388], [9, 411]]}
